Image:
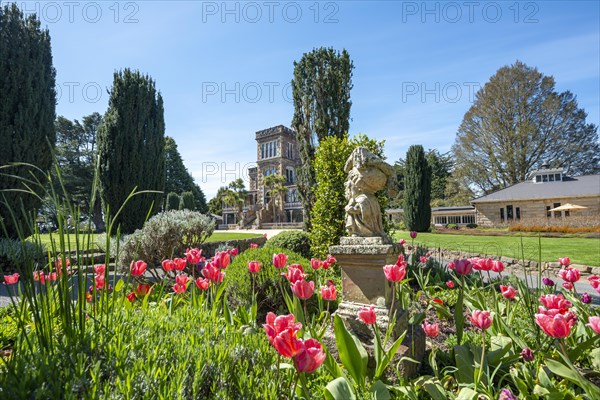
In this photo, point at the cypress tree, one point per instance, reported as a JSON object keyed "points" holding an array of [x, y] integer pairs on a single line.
{"points": [[27, 107], [131, 145], [173, 201], [417, 190], [187, 201], [179, 180]]}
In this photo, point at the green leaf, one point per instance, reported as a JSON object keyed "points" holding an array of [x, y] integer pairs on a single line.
{"points": [[352, 353], [467, 394], [339, 389], [388, 356], [595, 358], [459, 318], [380, 391], [575, 353], [464, 364], [435, 390], [331, 365], [500, 346], [573, 376], [119, 286]]}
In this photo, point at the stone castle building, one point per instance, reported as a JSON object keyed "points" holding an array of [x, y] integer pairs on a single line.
{"points": [[276, 154]]}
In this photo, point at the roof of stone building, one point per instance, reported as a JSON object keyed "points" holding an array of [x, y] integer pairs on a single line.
{"points": [[585, 185], [274, 130]]}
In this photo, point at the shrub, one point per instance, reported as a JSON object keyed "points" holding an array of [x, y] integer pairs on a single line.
{"points": [[165, 235], [417, 190], [472, 226], [452, 226], [187, 201], [268, 294], [296, 241], [173, 201], [14, 254]]}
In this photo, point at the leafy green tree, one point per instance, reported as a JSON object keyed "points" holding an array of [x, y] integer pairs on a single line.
{"points": [[276, 189], [215, 205], [173, 201], [329, 218], [457, 192], [519, 122], [321, 92], [27, 109], [131, 145], [187, 201], [235, 196], [417, 190], [178, 178]]}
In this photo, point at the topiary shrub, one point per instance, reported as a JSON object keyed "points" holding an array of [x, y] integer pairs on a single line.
{"points": [[166, 235], [267, 281], [296, 241], [14, 254], [173, 201], [187, 201]]}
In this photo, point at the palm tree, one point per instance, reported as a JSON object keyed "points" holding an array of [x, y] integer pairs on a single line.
{"points": [[235, 196], [275, 185]]}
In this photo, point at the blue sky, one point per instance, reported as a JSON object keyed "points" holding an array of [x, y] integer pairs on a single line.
{"points": [[224, 68]]}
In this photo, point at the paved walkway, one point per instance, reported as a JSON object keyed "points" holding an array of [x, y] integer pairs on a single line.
{"points": [[270, 232]]}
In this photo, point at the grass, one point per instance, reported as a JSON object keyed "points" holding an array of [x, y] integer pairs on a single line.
{"points": [[580, 250], [216, 237]]}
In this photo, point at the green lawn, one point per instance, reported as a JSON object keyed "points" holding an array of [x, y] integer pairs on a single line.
{"points": [[579, 250], [216, 237]]}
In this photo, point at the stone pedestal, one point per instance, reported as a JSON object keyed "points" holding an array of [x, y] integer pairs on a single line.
{"points": [[361, 260]]}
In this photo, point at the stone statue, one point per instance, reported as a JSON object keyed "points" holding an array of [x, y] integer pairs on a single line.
{"points": [[367, 174]]}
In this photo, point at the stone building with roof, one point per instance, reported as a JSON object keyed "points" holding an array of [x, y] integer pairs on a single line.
{"points": [[276, 154], [544, 190]]}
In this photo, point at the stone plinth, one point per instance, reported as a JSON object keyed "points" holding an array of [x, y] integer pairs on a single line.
{"points": [[361, 260]]}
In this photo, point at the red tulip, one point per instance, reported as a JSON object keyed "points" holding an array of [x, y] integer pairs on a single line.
{"points": [[131, 297], [279, 260], [99, 282], [193, 256], [367, 315], [394, 273], [482, 264], [569, 274], [450, 284], [276, 324], [451, 266], [310, 357], [565, 261], [168, 265], [11, 279], [463, 267], [138, 268], [213, 273], [481, 319], [142, 289], [221, 259], [202, 283], [568, 285], [413, 234], [180, 263], [294, 273], [39, 276], [423, 259], [302, 289], [553, 301], [99, 269], [556, 326], [438, 301], [401, 262], [254, 267], [328, 292], [431, 330], [498, 266], [329, 261], [594, 323], [235, 252], [315, 263], [58, 263], [594, 281], [253, 246], [180, 283], [508, 292], [402, 242], [287, 344]]}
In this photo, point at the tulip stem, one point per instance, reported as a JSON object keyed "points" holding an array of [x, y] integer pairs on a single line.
{"points": [[295, 384], [480, 371]]}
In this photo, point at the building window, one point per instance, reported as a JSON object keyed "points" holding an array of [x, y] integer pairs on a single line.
{"points": [[289, 176], [290, 151], [502, 215], [556, 213], [557, 177], [468, 219], [518, 212], [548, 213], [538, 178], [509, 213], [551, 177]]}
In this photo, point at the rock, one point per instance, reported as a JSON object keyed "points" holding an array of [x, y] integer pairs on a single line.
{"points": [[554, 265], [581, 268], [595, 270]]}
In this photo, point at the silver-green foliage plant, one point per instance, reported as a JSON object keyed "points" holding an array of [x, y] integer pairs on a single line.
{"points": [[166, 235]]}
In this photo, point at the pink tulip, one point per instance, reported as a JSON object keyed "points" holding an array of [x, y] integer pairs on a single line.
{"points": [[595, 282], [402, 242], [168, 265], [202, 283], [482, 264], [253, 246], [569, 274], [310, 357], [302, 289], [450, 284], [565, 261], [279, 260], [99, 269], [568, 285], [431, 330], [463, 267], [99, 282], [556, 326], [481, 319], [58, 263], [498, 266], [39, 276], [180, 263], [213, 273], [221, 259], [138, 268], [254, 267], [329, 261], [328, 292], [401, 261], [367, 315], [294, 273], [11, 279], [235, 252], [274, 325], [142, 289], [423, 259], [508, 292], [287, 344], [553, 301], [451, 266], [193, 256], [394, 273], [315, 263], [180, 283], [594, 323], [413, 234]]}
